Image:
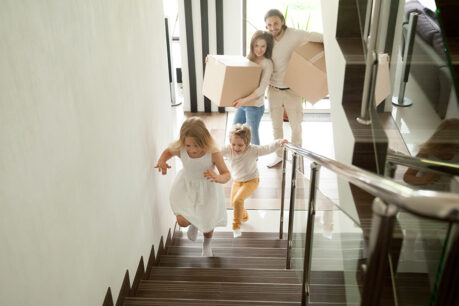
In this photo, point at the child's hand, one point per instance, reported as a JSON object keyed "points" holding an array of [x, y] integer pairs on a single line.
{"points": [[211, 176], [283, 141], [162, 167]]}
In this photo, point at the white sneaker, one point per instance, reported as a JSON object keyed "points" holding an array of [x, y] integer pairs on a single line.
{"points": [[274, 162], [237, 233], [207, 252], [192, 232]]}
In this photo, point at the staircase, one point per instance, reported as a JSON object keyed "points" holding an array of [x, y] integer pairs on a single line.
{"points": [[245, 271]]}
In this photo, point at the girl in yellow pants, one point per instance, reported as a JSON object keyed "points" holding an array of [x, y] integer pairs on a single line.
{"points": [[243, 166]]}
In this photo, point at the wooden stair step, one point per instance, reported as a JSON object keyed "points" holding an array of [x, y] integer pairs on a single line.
{"points": [[335, 294], [267, 243], [275, 236], [220, 290], [224, 275], [265, 252], [318, 264], [242, 275], [252, 235], [231, 242], [223, 262], [228, 252], [142, 301]]}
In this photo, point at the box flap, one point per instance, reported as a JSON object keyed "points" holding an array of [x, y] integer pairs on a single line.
{"points": [[313, 52], [235, 61]]}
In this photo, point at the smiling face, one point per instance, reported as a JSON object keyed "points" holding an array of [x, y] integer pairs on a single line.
{"points": [[259, 47], [237, 144], [274, 25], [192, 149]]}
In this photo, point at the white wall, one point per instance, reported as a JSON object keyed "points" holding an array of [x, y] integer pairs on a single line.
{"points": [[83, 105], [232, 27], [342, 135]]}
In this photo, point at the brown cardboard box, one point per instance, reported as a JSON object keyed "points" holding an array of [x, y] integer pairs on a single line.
{"points": [[230, 77], [306, 71]]}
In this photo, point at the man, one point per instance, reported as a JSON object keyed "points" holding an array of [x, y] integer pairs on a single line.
{"points": [[279, 95]]}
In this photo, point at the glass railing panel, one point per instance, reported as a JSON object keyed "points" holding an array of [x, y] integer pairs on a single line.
{"points": [[418, 259], [334, 192], [425, 105], [338, 246]]}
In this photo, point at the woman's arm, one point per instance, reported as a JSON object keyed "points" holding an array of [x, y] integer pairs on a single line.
{"points": [[260, 91], [224, 174], [162, 161]]}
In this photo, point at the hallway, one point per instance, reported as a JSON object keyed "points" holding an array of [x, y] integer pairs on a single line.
{"points": [[264, 205]]}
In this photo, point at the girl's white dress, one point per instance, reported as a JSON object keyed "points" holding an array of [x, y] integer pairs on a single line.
{"points": [[194, 197]]}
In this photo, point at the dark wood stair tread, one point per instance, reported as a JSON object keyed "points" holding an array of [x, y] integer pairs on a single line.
{"points": [[231, 242], [242, 275], [320, 253], [220, 290], [318, 264], [252, 235], [227, 251], [142, 301], [266, 243], [223, 262]]}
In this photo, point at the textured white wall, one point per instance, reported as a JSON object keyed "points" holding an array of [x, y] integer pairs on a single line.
{"points": [[84, 103], [343, 138], [232, 27]]}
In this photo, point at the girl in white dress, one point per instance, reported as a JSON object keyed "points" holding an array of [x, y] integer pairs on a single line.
{"points": [[196, 199]]}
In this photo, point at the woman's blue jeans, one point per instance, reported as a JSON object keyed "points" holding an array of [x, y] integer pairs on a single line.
{"points": [[252, 116]]}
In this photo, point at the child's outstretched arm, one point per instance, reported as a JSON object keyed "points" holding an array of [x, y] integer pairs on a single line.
{"points": [[162, 161], [224, 174], [266, 149]]}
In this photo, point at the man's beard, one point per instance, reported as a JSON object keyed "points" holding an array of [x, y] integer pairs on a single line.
{"points": [[279, 33]]}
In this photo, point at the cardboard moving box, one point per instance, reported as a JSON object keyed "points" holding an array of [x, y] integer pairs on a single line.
{"points": [[230, 77], [306, 71]]}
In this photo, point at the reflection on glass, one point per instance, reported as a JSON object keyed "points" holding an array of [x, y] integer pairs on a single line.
{"points": [[442, 146], [416, 267], [430, 83]]}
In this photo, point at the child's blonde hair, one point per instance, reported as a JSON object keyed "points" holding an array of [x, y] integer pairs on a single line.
{"points": [[195, 128], [243, 131]]}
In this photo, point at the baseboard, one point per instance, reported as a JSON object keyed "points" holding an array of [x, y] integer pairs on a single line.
{"points": [[125, 289], [142, 273], [108, 300], [139, 275]]}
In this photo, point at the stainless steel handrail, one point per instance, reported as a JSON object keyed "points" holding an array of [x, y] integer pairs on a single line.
{"points": [[425, 203], [439, 167]]}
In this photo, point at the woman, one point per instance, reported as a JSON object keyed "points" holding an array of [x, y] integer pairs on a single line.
{"points": [[261, 47]]}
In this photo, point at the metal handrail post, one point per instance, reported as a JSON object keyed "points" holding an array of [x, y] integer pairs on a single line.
{"points": [[284, 163], [401, 100], [371, 67], [291, 210], [377, 264], [305, 292]]}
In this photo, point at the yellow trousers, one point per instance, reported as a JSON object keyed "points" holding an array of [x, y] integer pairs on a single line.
{"points": [[239, 192]]}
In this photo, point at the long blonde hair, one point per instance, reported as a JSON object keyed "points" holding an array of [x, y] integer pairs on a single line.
{"points": [[268, 38], [195, 128]]}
